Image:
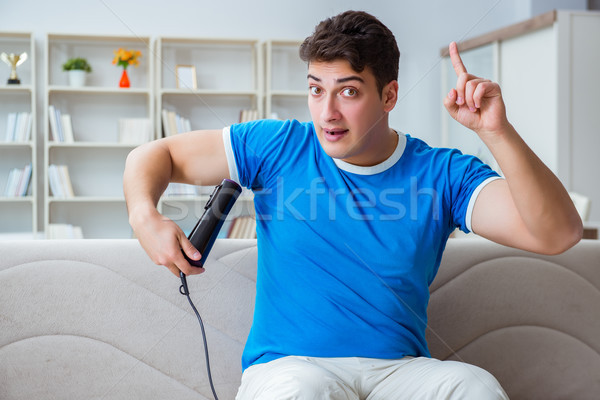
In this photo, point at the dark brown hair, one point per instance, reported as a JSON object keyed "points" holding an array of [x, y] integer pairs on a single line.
{"points": [[359, 38]]}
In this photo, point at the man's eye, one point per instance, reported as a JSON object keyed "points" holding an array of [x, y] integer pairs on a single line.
{"points": [[314, 90], [349, 92]]}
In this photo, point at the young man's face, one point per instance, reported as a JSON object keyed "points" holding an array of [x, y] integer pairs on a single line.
{"points": [[350, 116]]}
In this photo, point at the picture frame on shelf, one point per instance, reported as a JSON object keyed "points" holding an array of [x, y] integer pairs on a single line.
{"points": [[185, 77]]}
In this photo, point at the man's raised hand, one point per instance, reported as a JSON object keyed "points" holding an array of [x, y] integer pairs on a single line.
{"points": [[476, 103]]}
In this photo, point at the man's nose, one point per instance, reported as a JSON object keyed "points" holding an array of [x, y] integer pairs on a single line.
{"points": [[330, 111]]}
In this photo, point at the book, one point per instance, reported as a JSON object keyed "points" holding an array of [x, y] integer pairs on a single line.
{"points": [[174, 123], [67, 128], [65, 181], [135, 130], [24, 134], [11, 122], [11, 183], [24, 181], [59, 128], [22, 131], [64, 231], [242, 228], [234, 229], [248, 115], [165, 122], [18, 127], [60, 181], [18, 182], [53, 124], [181, 189]]}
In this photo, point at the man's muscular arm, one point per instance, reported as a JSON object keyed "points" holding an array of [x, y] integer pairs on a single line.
{"points": [[196, 158], [530, 209]]}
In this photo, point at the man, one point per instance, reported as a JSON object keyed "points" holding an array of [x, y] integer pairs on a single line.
{"points": [[352, 221]]}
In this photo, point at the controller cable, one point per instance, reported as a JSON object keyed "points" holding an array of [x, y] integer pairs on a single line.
{"points": [[203, 237], [183, 289]]}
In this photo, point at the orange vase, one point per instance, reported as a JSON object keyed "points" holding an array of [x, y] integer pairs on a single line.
{"points": [[124, 82]]}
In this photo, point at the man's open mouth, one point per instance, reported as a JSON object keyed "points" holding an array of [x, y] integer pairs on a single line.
{"points": [[335, 131]]}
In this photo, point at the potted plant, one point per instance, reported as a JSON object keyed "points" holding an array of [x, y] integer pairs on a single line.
{"points": [[77, 68]]}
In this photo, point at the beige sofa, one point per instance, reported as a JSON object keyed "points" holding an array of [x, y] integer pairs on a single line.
{"points": [[96, 319]]}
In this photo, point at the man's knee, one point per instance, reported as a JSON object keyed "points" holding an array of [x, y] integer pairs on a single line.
{"points": [[468, 381], [291, 379]]}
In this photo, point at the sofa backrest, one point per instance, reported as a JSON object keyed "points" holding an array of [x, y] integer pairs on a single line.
{"points": [[533, 321], [97, 319]]}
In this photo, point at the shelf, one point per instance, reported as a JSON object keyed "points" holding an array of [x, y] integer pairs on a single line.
{"points": [[16, 144], [97, 89], [26, 199], [290, 93], [206, 92], [182, 41], [184, 197], [91, 145], [86, 199], [15, 89]]}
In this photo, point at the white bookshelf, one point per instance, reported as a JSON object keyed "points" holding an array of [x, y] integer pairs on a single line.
{"points": [[286, 90], [96, 157], [232, 75], [229, 75], [18, 214]]}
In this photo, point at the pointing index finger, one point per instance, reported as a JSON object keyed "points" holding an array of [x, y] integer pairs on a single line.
{"points": [[457, 63]]}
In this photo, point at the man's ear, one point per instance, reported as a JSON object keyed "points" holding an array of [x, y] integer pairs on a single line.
{"points": [[389, 95]]}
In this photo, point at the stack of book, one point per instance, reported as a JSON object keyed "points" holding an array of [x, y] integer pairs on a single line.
{"points": [[61, 129], [18, 127], [18, 182], [248, 115], [174, 123], [181, 189], [64, 231], [60, 181], [242, 228], [135, 130]]}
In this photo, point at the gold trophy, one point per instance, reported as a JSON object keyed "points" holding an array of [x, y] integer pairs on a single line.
{"points": [[13, 61]]}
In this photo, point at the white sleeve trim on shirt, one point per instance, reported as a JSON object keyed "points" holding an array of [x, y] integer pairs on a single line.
{"points": [[473, 198], [233, 171]]}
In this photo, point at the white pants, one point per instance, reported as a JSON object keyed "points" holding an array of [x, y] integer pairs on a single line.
{"points": [[310, 378]]}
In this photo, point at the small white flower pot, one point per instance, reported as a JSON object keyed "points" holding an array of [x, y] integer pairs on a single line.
{"points": [[77, 77]]}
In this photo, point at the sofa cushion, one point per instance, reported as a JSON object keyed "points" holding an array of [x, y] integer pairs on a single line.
{"points": [[97, 319], [533, 321]]}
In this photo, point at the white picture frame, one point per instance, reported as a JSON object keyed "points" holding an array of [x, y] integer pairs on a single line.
{"points": [[185, 77]]}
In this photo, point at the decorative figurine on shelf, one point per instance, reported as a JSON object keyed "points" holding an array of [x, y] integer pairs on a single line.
{"points": [[77, 68], [125, 58], [13, 61]]}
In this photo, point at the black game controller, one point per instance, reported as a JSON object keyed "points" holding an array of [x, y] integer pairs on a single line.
{"points": [[207, 228]]}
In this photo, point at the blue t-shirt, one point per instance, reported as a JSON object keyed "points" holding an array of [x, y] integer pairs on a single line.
{"points": [[346, 253]]}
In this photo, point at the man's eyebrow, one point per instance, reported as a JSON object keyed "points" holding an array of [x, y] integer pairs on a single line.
{"points": [[350, 78], [341, 80]]}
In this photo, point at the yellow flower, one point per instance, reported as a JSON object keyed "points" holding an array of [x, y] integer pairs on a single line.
{"points": [[125, 58]]}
